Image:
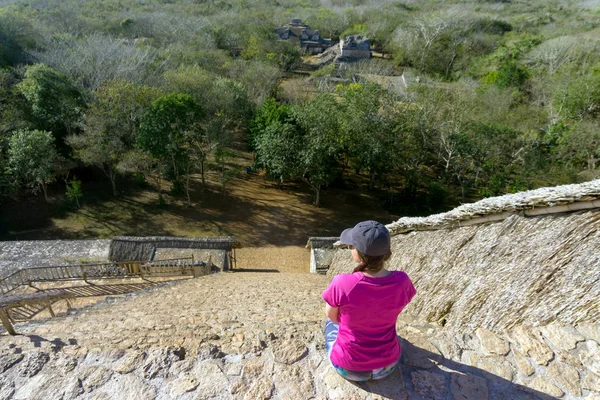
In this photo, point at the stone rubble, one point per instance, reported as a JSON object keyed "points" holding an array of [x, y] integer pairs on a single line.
{"points": [[258, 335]]}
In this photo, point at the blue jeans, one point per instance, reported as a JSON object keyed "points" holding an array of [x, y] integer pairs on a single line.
{"points": [[331, 333]]}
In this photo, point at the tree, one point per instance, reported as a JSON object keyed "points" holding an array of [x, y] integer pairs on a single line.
{"points": [[16, 36], [261, 78], [31, 159], [552, 54], [140, 162], [111, 126], [166, 131], [226, 105], [278, 150], [268, 113], [580, 146], [56, 104], [11, 105], [321, 145], [74, 191], [329, 23], [580, 98], [365, 133], [96, 58]]}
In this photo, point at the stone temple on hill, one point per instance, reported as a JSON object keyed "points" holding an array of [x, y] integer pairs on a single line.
{"points": [[507, 307], [301, 34]]}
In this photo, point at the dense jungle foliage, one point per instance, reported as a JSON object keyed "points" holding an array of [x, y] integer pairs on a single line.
{"points": [[501, 96]]}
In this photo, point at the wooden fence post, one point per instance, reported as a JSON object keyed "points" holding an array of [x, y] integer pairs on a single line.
{"points": [[6, 322]]}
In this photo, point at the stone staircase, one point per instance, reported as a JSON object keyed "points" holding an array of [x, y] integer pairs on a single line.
{"points": [[255, 335]]}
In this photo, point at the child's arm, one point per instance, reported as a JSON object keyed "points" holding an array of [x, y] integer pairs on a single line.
{"points": [[332, 313]]}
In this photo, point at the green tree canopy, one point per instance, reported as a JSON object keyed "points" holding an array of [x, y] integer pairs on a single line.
{"points": [[169, 130], [56, 104], [318, 157], [278, 150], [32, 159], [111, 125]]}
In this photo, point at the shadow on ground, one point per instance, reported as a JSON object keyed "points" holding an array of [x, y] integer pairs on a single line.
{"points": [[256, 211], [425, 375]]}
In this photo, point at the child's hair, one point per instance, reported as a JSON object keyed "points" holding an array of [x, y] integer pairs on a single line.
{"points": [[372, 264]]}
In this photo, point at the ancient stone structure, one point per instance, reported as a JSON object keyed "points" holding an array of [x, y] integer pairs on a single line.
{"points": [[17, 255], [221, 249], [301, 34], [355, 48], [506, 309], [321, 253]]}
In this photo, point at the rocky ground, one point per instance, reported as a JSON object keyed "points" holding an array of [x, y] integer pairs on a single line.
{"points": [[258, 335]]}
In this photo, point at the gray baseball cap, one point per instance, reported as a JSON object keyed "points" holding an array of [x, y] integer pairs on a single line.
{"points": [[369, 237]]}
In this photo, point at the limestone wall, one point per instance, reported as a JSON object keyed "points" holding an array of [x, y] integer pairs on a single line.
{"points": [[15, 255]]}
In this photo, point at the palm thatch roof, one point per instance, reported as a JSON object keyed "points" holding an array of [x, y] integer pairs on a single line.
{"points": [[533, 202], [128, 248]]}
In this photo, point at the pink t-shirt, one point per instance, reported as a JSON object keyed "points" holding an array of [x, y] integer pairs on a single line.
{"points": [[368, 310]]}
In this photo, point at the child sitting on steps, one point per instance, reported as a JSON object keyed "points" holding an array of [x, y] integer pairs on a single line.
{"points": [[362, 307]]}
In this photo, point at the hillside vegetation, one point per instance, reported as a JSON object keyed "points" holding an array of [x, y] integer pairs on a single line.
{"points": [[501, 96]]}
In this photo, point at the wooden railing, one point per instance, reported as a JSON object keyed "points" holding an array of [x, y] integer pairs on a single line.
{"points": [[25, 277], [22, 307]]}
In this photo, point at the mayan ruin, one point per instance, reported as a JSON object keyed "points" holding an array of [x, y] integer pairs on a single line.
{"points": [[299, 200], [258, 334]]}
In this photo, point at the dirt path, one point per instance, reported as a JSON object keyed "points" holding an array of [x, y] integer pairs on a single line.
{"points": [[282, 259]]}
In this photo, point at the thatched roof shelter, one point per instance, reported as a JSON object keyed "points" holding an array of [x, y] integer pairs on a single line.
{"points": [[128, 248], [551, 200]]}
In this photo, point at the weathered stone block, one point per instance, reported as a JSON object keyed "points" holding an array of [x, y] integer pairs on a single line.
{"points": [[495, 365], [131, 361], [592, 382], [33, 363], [255, 368], [429, 385], [523, 365], [293, 382], [288, 351], [562, 337], [9, 360], [93, 377], [492, 343], [589, 355], [183, 384], [212, 381], [261, 390], [468, 387], [420, 352], [531, 343], [541, 384], [566, 376], [590, 330], [7, 388]]}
